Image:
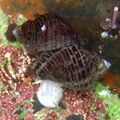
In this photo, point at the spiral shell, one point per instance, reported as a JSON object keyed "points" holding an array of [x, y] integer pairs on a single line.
{"points": [[73, 66], [46, 32]]}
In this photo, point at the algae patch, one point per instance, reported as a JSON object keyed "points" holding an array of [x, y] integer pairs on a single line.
{"points": [[3, 26], [111, 100], [20, 20]]}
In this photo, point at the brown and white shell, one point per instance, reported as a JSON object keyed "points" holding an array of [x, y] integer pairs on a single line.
{"points": [[46, 32], [73, 66]]}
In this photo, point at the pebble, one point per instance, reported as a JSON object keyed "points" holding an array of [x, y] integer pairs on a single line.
{"points": [[104, 34]]}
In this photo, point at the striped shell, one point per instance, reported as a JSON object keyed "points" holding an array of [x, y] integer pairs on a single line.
{"points": [[72, 66], [46, 32]]}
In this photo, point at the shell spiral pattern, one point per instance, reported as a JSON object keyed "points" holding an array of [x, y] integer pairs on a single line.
{"points": [[46, 32], [73, 66], [63, 58]]}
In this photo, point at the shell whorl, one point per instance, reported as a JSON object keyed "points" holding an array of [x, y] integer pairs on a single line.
{"points": [[72, 66], [46, 32]]}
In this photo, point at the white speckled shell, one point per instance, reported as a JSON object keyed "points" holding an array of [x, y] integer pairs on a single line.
{"points": [[49, 93]]}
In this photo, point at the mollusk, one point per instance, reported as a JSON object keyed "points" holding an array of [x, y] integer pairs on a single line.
{"points": [[46, 32], [73, 67]]}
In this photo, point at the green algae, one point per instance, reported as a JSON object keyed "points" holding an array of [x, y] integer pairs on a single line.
{"points": [[22, 112], [112, 101], [3, 28], [20, 20], [3, 25]]}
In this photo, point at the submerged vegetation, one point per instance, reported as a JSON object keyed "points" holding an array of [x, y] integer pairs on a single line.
{"points": [[112, 101]]}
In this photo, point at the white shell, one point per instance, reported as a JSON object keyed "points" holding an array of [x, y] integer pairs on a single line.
{"points": [[104, 34], [49, 93]]}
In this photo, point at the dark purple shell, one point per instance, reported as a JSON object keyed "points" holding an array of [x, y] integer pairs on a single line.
{"points": [[72, 66], [46, 32]]}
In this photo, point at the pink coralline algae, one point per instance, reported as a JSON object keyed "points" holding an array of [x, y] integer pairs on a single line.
{"points": [[80, 105], [10, 102], [84, 103], [15, 95], [51, 116]]}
